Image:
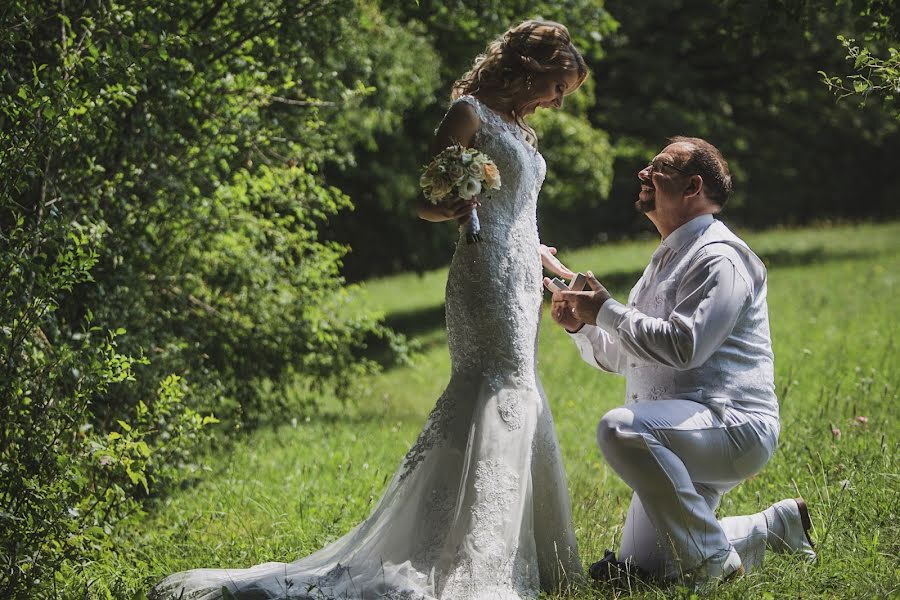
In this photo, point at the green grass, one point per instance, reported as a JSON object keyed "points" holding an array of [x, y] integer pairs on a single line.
{"points": [[283, 493]]}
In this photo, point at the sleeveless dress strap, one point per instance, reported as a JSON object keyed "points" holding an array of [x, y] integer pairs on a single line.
{"points": [[490, 120]]}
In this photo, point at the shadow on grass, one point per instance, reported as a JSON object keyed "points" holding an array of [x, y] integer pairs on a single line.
{"points": [[421, 321], [786, 257], [414, 323]]}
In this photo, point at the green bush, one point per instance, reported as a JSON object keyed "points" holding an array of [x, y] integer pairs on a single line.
{"points": [[162, 177], [64, 478], [579, 175], [196, 149]]}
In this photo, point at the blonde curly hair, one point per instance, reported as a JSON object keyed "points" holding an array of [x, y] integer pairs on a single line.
{"points": [[505, 68]]}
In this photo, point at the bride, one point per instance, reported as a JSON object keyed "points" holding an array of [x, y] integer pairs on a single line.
{"points": [[479, 506]]}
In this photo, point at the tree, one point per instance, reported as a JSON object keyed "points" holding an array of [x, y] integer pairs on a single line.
{"points": [[871, 74], [744, 76]]}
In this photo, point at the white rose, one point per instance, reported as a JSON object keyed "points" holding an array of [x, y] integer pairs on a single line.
{"points": [[469, 188]]}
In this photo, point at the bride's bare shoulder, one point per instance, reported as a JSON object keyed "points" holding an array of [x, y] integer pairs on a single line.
{"points": [[460, 125]]}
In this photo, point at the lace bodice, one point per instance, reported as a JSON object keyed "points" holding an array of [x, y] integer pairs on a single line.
{"points": [[494, 287]]}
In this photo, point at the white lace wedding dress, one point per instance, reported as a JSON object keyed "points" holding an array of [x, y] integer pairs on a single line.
{"points": [[479, 508]]}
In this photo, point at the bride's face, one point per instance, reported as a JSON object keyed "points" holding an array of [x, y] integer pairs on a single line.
{"points": [[547, 91]]}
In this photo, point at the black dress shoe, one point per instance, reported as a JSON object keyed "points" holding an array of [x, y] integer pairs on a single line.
{"points": [[617, 573]]}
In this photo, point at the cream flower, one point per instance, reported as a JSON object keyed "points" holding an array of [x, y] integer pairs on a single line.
{"points": [[491, 176], [428, 175], [469, 188], [475, 169], [440, 186]]}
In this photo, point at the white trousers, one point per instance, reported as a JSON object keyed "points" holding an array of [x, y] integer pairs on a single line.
{"points": [[680, 458]]}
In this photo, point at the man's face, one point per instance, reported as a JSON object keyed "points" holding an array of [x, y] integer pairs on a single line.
{"points": [[664, 180]]}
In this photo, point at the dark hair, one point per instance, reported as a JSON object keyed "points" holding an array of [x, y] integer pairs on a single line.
{"points": [[707, 162]]}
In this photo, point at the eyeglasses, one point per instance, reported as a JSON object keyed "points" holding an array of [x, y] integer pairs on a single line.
{"points": [[656, 167]]}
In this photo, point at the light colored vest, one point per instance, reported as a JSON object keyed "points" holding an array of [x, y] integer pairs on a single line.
{"points": [[741, 372]]}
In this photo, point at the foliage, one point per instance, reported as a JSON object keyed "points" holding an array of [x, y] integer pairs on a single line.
{"points": [[462, 30], [196, 149], [744, 76], [579, 170], [871, 74], [65, 479], [385, 139], [162, 177]]}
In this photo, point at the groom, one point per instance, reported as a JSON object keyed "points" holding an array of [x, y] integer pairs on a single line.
{"points": [[700, 413]]}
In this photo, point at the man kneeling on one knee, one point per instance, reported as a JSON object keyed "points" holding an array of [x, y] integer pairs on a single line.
{"points": [[700, 413]]}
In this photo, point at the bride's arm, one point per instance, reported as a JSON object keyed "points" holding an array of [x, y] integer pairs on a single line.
{"points": [[458, 127]]}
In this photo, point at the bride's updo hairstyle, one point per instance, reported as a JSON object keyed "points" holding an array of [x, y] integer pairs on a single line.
{"points": [[505, 69]]}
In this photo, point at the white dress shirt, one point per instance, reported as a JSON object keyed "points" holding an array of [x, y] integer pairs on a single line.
{"points": [[696, 325]]}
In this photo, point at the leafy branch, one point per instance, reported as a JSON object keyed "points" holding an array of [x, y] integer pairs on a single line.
{"points": [[872, 74]]}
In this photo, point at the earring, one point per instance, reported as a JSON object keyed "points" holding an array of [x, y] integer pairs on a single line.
{"points": [[528, 82]]}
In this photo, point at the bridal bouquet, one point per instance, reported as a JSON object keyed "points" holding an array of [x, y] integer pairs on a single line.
{"points": [[459, 172]]}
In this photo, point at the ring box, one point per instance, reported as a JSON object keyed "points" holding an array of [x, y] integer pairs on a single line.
{"points": [[578, 283], [558, 285]]}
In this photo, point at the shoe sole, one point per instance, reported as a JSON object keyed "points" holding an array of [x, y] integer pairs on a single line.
{"points": [[805, 520], [736, 574]]}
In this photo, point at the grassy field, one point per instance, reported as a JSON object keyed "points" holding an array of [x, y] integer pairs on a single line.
{"points": [[833, 302]]}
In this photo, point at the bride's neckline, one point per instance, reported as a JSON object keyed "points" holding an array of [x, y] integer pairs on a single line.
{"points": [[514, 128], [503, 116]]}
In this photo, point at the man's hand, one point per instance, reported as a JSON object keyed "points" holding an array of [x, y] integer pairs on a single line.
{"points": [[561, 311], [552, 264], [581, 306]]}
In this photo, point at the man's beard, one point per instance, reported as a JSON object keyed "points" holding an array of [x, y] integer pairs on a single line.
{"points": [[645, 206]]}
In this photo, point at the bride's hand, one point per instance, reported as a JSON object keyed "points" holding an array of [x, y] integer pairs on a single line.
{"points": [[552, 264], [458, 210]]}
